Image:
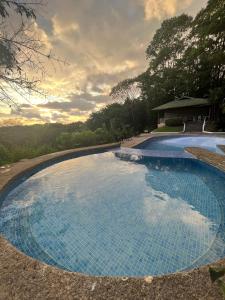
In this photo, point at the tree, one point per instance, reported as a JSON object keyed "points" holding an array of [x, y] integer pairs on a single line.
{"points": [[126, 89], [169, 42], [186, 57], [208, 34], [21, 51], [165, 52]]}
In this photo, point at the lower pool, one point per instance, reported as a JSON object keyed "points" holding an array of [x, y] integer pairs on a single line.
{"points": [[114, 214], [178, 143]]}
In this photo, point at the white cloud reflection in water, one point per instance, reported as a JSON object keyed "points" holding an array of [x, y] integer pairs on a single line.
{"points": [[104, 215]]}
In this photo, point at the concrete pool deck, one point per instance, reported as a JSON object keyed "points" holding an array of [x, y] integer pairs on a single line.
{"points": [[214, 159], [130, 143], [133, 142], [22, 277]]}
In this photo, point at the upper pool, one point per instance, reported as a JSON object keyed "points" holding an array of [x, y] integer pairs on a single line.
{"points": [[119, 214], [178, 143]]}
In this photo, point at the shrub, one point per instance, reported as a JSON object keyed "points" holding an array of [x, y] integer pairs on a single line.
{"points": [[215, 126], [28, 151], [4, 155], [174, 122], [103, 136], [221, 124], [84, 138], [64, 140]]}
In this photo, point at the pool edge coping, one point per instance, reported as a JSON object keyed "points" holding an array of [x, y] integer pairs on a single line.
{"points": [[14, 263]]}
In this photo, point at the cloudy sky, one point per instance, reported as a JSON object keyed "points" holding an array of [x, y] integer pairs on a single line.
{"points": [[104, 42]]}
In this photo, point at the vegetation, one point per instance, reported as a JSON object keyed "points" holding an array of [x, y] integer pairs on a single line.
{"points": [[217, 276], [185, 57], [19, 142], [22, 54], [174, 122], [215, 126], [169, 129], [122, 120]]}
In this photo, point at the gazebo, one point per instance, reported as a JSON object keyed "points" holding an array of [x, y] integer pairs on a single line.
{"points": [[186, 108]]}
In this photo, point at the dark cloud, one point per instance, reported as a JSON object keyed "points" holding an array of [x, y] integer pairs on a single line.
{"points": [[84, 102], [68, 106], [29, 112], [89, 98], [25, 105], [104, 42]]}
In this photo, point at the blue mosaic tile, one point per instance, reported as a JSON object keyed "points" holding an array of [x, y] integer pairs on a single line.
{"points": [[113, 214], [177, 143]]}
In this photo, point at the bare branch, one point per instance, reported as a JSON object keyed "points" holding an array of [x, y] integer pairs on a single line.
{"points": [[22, 53], [128, 88]]}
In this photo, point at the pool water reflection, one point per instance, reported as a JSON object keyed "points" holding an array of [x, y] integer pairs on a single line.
{"points": [[178, 143], [113, 214]]}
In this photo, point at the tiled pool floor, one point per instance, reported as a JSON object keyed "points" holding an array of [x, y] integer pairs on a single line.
{"points": [[109, 214], [180, 142]]}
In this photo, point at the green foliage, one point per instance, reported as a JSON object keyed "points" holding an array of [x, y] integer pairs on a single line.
{"points": [[14, 153], [186, 57], [21, 142], [4, 155], [174, 122], [8, 52], [212, 126], [216, 126], [222, 287], [84, 138], [168, 42], [215, 275], [103, 136], [29, 151], [121, 120], [64, 140], [169, 129], [125, 89]]}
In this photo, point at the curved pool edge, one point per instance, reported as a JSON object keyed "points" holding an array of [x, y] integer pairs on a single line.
{"points": [[211, 158], [23, 277], [27, 167]]}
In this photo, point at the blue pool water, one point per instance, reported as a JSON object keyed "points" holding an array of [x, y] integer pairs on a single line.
{"points": [[115, 214], [178, 143]]}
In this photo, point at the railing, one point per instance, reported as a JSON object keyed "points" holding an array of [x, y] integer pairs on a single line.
{"points": [[204, 124]]}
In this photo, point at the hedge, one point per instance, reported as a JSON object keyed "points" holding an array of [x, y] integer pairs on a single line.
{"points": [[174, 122]]}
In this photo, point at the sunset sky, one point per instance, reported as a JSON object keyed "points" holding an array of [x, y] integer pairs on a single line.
{"points": [[104, 42]]}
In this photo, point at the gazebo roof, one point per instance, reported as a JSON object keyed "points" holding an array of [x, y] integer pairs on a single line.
{"points": [[183, 102]]}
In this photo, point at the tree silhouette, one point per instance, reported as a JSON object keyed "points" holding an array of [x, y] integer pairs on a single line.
{"points": [[22, 53]]}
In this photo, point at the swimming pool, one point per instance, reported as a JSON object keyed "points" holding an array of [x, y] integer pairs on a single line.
{"points": [[114, 214], [178, 143]]}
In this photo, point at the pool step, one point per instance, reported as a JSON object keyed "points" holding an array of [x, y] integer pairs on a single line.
{"points": [[129, 152], [194, 126]]}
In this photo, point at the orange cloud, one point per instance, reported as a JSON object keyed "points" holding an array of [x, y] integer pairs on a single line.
{"points": [[104, 43], [158, 9]]}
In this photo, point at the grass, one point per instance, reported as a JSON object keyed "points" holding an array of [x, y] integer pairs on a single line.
{"points": [[169, 129]]}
